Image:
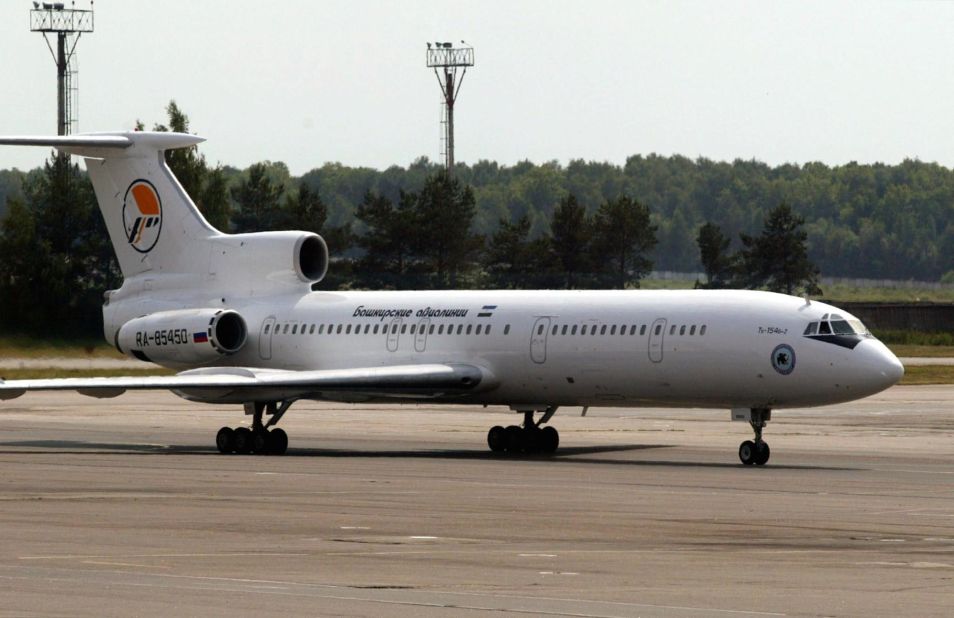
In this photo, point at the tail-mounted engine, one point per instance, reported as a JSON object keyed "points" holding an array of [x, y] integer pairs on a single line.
{"points": [[183, 337]]}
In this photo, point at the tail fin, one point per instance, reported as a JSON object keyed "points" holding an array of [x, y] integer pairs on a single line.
{"points": [[152, 222]]}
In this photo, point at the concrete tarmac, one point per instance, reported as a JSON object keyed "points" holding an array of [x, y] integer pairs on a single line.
{"points": [[122, 507]]}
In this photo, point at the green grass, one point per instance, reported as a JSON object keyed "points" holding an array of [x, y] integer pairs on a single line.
{"points": [[21, 346], [43, 374], [928, 351], [928, 374]]}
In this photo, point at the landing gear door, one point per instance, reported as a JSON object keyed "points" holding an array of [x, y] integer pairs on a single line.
{"points": [[265, 338], [394, 332], [538, 340], [656, 335]]}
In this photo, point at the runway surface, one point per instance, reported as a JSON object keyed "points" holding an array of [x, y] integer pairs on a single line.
{"points": [[121, 507]]}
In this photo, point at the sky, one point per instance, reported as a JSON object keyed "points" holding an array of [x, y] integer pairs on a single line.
{"points": [[309, 82]]}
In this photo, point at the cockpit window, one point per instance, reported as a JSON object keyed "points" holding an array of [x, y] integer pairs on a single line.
{"points": [[837, 325], [842, 327]]}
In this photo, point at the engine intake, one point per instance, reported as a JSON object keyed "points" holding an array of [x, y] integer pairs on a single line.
{"points": [[185, 337]]}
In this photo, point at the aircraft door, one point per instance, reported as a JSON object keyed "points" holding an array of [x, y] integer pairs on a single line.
{"points": [[420, 338], [656, 335], [394, 332], [265, 338], [538, 340]]}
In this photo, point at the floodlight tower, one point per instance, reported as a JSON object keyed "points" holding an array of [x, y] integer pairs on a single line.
{"points": [[449, 58], [68, 24]]}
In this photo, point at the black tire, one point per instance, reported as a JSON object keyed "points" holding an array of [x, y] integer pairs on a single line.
{"points": [[762, 453], [514, 439], [242, 440], [277, 441], [747, 452], [260, 441], [497, 439], [549, 440], [225, 440]]}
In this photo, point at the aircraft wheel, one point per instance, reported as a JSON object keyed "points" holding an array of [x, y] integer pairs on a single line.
{"points": [[747, 452], [225, 440], [514, 439], [260, 441], [549, 439], [762, 453], [242, 440], [497, 439], [277, 441]]}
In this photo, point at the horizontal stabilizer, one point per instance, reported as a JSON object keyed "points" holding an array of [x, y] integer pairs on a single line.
{"points": [[104, 145]]}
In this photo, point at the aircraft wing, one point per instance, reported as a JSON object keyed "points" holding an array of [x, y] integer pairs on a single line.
{"points": [[247, 384]]}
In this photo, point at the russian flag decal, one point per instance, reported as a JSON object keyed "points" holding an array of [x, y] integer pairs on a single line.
{"points": [[200, 338]]}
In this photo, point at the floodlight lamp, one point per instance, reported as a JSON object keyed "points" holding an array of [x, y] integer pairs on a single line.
{"points": [[36, 5]]}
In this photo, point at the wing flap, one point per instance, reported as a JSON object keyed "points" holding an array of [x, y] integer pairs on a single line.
{"points": [[242, 384]]}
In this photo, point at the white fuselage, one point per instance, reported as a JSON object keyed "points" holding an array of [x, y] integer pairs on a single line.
{"points": [[590, 348]]}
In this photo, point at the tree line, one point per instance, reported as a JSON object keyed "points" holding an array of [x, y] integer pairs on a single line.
{"points": [[414, 228]]}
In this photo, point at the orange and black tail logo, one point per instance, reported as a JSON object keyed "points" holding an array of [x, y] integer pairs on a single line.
{"points": [[142, 215]]}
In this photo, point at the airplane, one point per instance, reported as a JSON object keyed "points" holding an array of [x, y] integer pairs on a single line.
{"points": [[237, 315]]}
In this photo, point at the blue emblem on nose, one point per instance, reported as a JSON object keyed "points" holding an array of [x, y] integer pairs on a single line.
{"points": [[783, 359]]}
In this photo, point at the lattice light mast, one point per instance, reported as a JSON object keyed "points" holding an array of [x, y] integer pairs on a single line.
{"points": [[445, 59], [68, 24]]}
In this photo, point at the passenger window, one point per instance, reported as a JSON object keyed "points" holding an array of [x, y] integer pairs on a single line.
{"points": [[507, 329], [811, 329], [440, 330], [642, 331], [824, 328], [487, 332], [682, 330], [574, 329], [593, 330], [311, 331], [603, 330], [267, 326], [469, 326], [413, 326], [479, 327], [540, 330], [403, 328], [632, 330], [285, 331], [338, 330], [658, 329], [692, 330], [375, 329], [348, 330], [460, 328], [672, 329], [430, 331], [563, 330], [583, 330], [321, 329], [394, 329], [295, 329], [702, 331], [553, 332], [613, 330]]}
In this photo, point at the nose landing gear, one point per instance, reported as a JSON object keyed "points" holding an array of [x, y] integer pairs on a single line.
{"points": [[754, 452]]}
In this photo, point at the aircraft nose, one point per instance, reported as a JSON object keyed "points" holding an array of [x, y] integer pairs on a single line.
{"points": [[884, 368]]}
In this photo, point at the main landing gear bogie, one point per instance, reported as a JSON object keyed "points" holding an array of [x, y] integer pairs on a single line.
{"points": [[261, 438], [245, 441], [528, 439]]}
